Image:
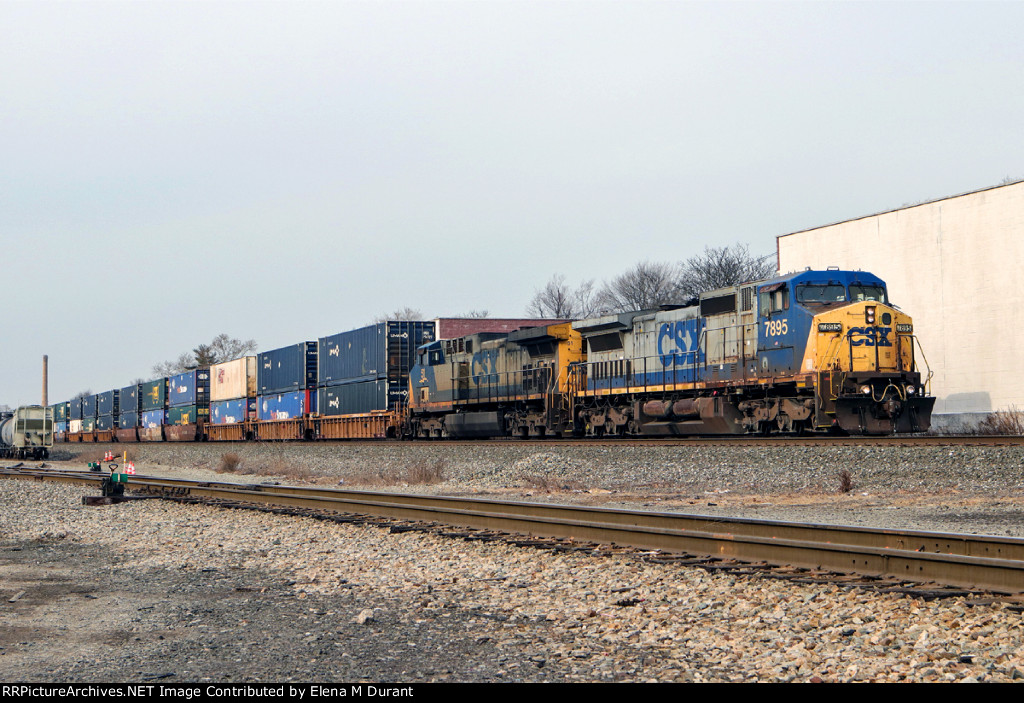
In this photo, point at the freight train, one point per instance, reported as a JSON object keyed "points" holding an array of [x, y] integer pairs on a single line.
{"points": [[815, 351]]}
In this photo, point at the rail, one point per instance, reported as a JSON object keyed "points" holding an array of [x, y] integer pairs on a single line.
{"points": [[970, 561]]}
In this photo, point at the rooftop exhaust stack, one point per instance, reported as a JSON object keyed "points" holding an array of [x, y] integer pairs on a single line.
{"points": [[45, 379]]}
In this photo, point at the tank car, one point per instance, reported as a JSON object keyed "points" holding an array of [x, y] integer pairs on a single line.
{"points": [[27, 432]]}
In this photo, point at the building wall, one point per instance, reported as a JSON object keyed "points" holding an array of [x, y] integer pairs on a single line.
{"points": [[956, 266]]}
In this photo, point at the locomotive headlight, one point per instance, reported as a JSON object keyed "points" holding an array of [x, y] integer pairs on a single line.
{"points": [[865, 389], [869, 314], [911, 390]]}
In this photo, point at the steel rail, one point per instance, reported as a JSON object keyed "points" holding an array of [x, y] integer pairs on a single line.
{"points": [[970, 561], [630, 441]]}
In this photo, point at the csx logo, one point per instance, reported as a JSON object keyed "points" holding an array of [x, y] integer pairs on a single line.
{"points": [[870, 336], [675, 342]]}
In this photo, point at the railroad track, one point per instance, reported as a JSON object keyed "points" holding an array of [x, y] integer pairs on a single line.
{"points": [[734, 441], [972, 562]]}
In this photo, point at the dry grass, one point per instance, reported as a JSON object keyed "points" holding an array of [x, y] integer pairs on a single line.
{"points": [[1005, 422], [231, 463], [418, 473], [845, 481], [548, 484], [427, 473]]}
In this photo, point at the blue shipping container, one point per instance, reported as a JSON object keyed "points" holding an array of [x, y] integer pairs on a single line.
{"points": [[75, 409], [152, 418], [190, 388], [285, 406], [383, 351], [287, 369], [88, 406], [106, 404], [229, 412], [105, 422], [128, 399], [128, 419], [353, 398]]}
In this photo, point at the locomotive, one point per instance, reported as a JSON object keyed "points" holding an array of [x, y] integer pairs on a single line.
{"points": [[814, 351]]}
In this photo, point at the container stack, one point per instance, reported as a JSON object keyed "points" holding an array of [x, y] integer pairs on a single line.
{"points": [[128, 417], [107, 408], [128, 400], [233, 391], [153, 407], [188, 398], [367, 369], [89, 414], [286, 379], [61, 412], [75, 418]]}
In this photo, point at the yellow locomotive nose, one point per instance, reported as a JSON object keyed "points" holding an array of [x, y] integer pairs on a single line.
{"points": [[860, 337]]}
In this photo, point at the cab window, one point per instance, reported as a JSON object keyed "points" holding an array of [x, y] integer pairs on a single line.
{"points": [[859, 293], [814, 293], [774, 298]]}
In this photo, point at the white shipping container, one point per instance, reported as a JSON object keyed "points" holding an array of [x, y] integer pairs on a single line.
{"points": [[75, 426], [233, 379]]}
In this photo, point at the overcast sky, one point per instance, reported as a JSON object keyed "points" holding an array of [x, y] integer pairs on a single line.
{"points": [[285, 171]]}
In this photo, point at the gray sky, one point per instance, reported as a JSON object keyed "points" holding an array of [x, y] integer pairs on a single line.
{"points": [[284, 171]]}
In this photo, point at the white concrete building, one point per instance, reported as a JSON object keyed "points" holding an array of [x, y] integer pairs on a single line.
{"points": [[953, 265]]}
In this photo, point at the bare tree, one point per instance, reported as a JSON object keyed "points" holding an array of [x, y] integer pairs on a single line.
{"points": [[222, 348], [647, 285], [478, 314], [405, 313], [719, 267], [557, 299]]}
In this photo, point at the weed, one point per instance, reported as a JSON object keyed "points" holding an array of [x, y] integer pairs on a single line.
{"points": [[230, 463], [423, 472], [1004, 422], [845, 481], [546, 484]]}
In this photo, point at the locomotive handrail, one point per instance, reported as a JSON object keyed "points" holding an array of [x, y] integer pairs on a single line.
{"points": [[928, 379]]}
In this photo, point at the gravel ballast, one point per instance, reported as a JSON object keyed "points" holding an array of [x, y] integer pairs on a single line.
{"points": [[160, 591], [941, 488]]}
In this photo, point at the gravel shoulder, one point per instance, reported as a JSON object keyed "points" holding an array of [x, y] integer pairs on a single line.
{"points": [[160, 591], [978, 490]]}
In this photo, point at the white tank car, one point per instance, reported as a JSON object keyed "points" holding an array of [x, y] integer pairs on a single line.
{"points": [[27, 432]]}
